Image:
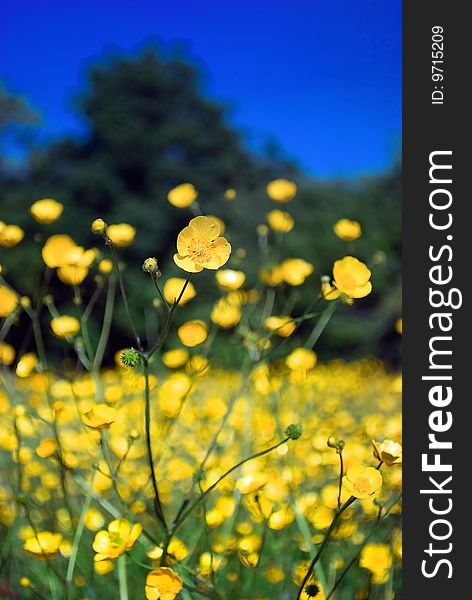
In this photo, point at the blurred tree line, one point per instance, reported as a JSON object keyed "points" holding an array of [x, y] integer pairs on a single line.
{"points": [[149, 128]]}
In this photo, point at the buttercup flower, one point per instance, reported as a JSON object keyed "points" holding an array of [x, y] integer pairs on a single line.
{"points": [[56, 251], [347, 230], [351, 277], [121, 235], [182, 195], [76, 263], [173, 287], [46, 211], [163, 584], [200, 247], [388, 452], [193, 333], [43, 544], [119, 538], [281, 190], [377, 558], [46, 448], [173, 359], [230, 194], [399, 326], [301, 359], [225, 314], [280, 221], [282, 326], [7, 353], [362, 482], [65, 326], [100, 416], [230, 279], [105, 266], [8, 301], [26, 364], [294, 271], [10, 235]]}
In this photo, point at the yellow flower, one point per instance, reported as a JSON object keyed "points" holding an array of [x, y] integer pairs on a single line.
{"points": [[172, 288], [46, 211], [347, 230], [230, 194], [65, 326], [26, 364], [225, 314], [46, 448], [301, 359], [100, 416], [57, 250], [362, 482], [230, 279], [252, 483], [43, 545], [7, 353], [182, 195], [193, 333], [328, 291], [388, 452], [280, 221], [377, 558], [282, 326], [76, 263], [10, 235], [399, 326], [103, 567], [8, 301], [173, 359], [121, 235], [281, 190], [294, 271], [272, 276], [163, 584], [351, 277], [105, 266], [119, 538], [200, 247]]}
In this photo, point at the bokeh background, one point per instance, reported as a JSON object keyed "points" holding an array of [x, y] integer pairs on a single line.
{"points": [[106, 106]]}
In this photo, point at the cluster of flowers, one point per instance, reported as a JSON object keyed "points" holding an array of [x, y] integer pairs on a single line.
{"points": [[167, 432]]}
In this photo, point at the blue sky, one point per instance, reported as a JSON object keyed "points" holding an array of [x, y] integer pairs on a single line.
{"points": [[322, 77]]}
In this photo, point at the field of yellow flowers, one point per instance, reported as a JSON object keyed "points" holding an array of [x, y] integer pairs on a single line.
{"points": [[165, 476]]}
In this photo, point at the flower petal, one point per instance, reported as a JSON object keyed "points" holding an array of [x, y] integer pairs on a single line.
{"points": [[185, 263]]}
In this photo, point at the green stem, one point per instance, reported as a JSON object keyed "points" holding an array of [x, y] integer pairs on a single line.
{"points": [[200, 499], [78, 535], [147, 412], [320, 326], [122, 580], [170, 315], [106, 326], [327, 537], [124, 296]]}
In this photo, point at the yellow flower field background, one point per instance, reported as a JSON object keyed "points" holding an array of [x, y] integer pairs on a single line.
{"points": [[168, 474]]}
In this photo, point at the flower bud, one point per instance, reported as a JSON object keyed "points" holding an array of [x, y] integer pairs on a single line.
{"points": [[99, 226], [150, 266], [294, 431], [130, 357]]}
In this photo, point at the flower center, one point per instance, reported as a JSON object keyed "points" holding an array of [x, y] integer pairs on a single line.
{"points": [[362, 485]]}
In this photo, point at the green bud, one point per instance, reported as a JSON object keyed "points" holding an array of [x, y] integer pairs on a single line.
{"points": [[150, 266], [130, 357], [294, 431]]}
